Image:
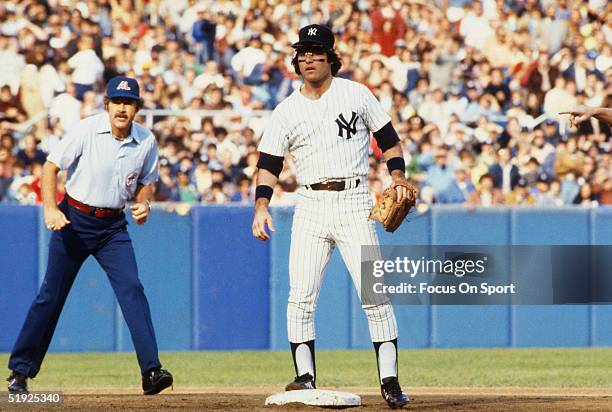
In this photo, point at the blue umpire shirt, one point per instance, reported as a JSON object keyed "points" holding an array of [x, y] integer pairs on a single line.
{"points": [[104, 171]]}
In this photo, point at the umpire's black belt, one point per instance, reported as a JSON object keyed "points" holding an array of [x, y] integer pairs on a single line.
{"points": [[335, 185]]}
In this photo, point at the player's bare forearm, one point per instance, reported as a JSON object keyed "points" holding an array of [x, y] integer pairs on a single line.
{"points": [[262, 216], [264, 178], [582, 113], [261, 204], [604, 114]]}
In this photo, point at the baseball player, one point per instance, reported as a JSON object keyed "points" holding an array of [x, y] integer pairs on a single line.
{"points": [[110, 160], [325, 126]]}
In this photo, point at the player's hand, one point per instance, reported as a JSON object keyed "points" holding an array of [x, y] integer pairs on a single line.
{"points": [[55, 219], [140, 212], [579, 114], [261, 219], [400, 183]]}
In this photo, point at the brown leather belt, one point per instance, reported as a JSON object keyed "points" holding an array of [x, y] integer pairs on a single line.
{"points": [[333, 185], [102, 212]]}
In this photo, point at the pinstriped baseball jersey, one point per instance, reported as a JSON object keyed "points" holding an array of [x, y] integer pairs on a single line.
{"points": [[328, 137]]}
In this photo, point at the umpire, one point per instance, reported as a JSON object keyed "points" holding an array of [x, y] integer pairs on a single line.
{"points": [[110, 160]]}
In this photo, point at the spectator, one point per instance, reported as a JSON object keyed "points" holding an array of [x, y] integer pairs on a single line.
{"points": [[203, 32], [67, 108], [247, 58], [39, 82], [418, 95], [166, 188], [87, 67], [435, 110], [10, 106], [504, 173], [5, 181], [558, 98], [186, 191], [216, 195], [30, 154], [520, 194], [244, 194], [569, 159], [540, 76], [475, 27], [585, 196], [543, 195], [460, 190], [203, 178], [387, 28], [486, 195], [498, 89], [605, 191], [439, 176]]}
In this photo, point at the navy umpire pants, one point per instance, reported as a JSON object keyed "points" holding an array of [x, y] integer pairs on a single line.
{"points": [[109, 242]]}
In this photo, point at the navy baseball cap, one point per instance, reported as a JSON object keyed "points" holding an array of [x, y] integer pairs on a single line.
{"points": [[543, 178], [315, 35], [121, 86]]}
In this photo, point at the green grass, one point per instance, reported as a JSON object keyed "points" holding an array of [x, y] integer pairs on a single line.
{"points": [[430, 367]]}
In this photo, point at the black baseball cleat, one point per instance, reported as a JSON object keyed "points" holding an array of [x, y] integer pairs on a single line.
{"points": [[18, 383], [392, 393], [306, 381], [155, 381]]}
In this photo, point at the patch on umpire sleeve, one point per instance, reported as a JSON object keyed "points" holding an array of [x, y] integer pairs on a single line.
{"points": [[131, 179]]}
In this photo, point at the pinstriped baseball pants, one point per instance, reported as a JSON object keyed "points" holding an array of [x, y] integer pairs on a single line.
{"points": [[322, 220]]}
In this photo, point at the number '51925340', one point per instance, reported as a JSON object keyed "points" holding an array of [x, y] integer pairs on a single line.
{"points": [[34, 398]]}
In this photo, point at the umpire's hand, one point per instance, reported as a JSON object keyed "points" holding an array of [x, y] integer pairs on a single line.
{"points": [[55, 219], [140, 212]]}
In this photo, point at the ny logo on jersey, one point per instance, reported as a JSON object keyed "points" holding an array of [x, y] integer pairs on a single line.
{"points": [[312, 31], [123, 85], [350, 127]]}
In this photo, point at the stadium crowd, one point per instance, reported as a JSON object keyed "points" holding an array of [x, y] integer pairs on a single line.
{"points": [[474, 89]]}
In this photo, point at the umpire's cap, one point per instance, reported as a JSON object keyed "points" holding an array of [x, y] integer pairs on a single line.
{"points": [[315, 35], [121, 86]]}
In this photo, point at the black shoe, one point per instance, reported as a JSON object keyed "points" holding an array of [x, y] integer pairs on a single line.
{"points": [[155, 381], [18, 383], [392, 392], [306, 381]]}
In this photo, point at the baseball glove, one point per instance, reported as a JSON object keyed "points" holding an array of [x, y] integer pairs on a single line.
{"points": [[390, 213]]}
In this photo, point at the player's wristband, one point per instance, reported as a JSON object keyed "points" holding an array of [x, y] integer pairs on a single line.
{"points": [[263, 191], [396, 163]]}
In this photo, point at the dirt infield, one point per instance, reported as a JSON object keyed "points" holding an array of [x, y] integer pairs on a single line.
{"points": [[252, 400]]}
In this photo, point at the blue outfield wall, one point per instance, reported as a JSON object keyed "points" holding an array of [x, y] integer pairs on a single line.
{"points": [[18, 268], [212, 286]]}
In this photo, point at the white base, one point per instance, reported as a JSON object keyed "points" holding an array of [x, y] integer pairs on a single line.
{"points": [[315, 397]]}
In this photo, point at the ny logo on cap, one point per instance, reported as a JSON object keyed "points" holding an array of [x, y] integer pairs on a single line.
{"points": [[312, 31], [123, 85]]}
